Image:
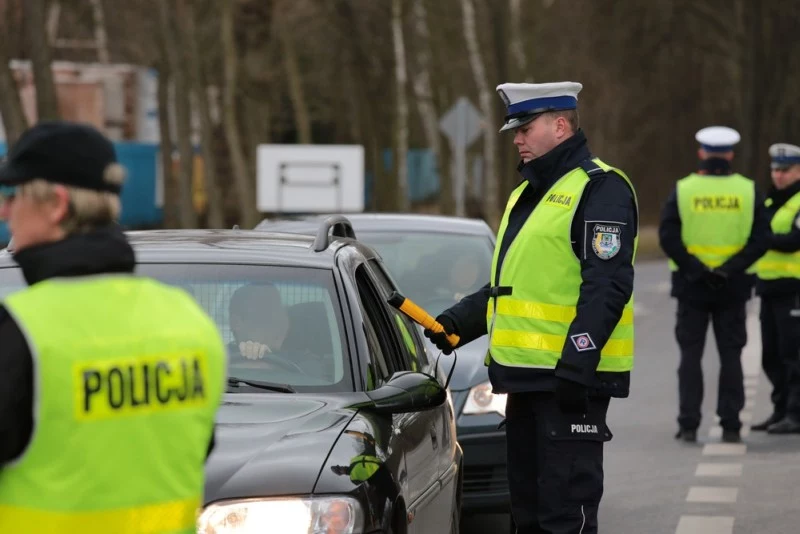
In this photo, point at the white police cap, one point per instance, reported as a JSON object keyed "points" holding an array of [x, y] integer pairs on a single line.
{"points": [[717, 138], [784, 155], [524, 101]]}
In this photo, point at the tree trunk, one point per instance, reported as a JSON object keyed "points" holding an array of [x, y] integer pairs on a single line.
{"points": [[167, 176], [100, 31], [41, 60], [426, 106], [14, 122], [183, 127], [216, 214], [242, 179], [401, 81], [302, 118], [490, 179], [517, 42]]}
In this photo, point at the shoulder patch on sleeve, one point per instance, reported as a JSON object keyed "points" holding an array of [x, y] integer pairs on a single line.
{"points": [[583, 342], [606, 242]]}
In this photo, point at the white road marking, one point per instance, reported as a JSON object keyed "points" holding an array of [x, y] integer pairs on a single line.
{"points": [[718, 470], [712, 494], [692, 524], [724, 449]]}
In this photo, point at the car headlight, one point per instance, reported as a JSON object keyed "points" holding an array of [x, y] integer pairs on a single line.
{"points": [[481, 400], [324, 515]]}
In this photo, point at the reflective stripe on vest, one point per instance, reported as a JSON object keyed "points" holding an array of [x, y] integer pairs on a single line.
{"points": [[716, 216], [774, 265], [129, 375], [529, 327]]}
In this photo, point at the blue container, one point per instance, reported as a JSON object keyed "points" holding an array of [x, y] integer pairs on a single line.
{"points": [[139, 208]]}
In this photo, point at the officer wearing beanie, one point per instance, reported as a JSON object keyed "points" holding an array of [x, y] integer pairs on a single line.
{"points": [[779, 288], [713, 228], [558, 310], [88, 442]]}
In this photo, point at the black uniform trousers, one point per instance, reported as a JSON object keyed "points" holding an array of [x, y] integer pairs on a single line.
{"points": [[555, 464], [780, 356], [729, 322]]}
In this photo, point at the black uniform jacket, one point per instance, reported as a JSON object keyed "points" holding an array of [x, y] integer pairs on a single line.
{"points": [[103, 251], [782, 243], [687, 281], [607, 283]]}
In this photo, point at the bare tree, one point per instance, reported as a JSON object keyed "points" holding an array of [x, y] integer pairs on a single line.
{"points": [[216, 215], [426, 106], [171, 220], [485, 97], [242, 179], [14, 122], [293, 75], [401, 81], [183, 127], [517, 43], [41, 59]]}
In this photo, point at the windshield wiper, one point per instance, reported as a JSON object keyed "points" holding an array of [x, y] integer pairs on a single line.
{"points": [[269, 386]]}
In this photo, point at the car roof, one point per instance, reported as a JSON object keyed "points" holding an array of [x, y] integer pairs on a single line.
{"points": [[408, 222], [236, 246]]}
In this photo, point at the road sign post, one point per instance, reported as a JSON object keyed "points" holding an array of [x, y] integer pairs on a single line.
{"points": [[462, 126]]}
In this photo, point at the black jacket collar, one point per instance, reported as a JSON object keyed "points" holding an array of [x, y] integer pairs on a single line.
{"points": [[546, 170], [101, 251], [715, 167]]}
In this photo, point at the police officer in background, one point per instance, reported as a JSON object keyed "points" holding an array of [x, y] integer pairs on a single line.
{"points": [[558, 310], [120, 376], [713, 228], [779, 288]]}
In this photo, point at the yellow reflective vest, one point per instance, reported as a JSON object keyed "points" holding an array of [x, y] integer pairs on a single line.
{"points": [[774, 264], [529, 327], [129, 374], [716, 216]]}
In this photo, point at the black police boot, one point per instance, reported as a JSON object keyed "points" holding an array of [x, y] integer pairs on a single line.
{"points": [[763, 425], [731, 436], [787, 425], [687, 435]]}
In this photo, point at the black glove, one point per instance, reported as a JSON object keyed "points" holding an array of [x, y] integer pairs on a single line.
{"points": [[440, 339], [715, 279], [572, 397]]}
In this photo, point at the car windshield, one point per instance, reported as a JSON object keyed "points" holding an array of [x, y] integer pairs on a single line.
{"points": [[280, 325], [435, 270]]}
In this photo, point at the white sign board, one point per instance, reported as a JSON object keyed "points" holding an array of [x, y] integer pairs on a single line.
{"points": [[310, 178]]}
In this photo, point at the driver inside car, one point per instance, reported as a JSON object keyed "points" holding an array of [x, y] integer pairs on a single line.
{"points": [[258, 320]]}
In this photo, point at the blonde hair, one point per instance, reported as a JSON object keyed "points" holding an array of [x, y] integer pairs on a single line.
{"points": [[88, 209]]}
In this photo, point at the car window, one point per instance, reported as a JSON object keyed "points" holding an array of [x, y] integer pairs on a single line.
{"points": [[373, 307], [293, 313], [435, 270], [414, 348]]}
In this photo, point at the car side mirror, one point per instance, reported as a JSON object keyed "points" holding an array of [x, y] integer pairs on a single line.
{"points": [[407, 391]]}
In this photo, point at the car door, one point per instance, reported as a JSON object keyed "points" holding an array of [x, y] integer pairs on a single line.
{"points": [[416, 431], [439, 422]]}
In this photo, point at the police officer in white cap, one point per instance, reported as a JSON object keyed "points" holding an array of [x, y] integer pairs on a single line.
{"points": [[560, 310], [713, 229], [779, 288]]}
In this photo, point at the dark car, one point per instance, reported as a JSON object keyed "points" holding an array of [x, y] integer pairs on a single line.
{"points": [[335, 418], [435, 260]]}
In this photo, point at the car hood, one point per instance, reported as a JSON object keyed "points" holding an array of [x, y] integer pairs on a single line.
{"points": [[469, 370], [270, 444]]}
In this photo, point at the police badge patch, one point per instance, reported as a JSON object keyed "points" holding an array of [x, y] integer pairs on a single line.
{"points": [[606, 240], [583, 342]]}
